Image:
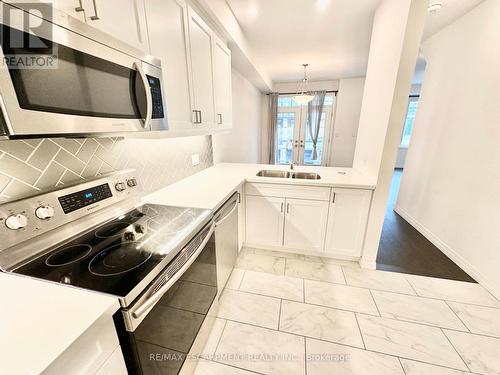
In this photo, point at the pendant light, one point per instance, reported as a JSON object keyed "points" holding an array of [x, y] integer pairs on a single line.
{"points": [[303, 95]]}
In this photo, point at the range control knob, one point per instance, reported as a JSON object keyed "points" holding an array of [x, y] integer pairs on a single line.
{"points": [[120, 186], [132, 182], [16, 221], [44, 212]]}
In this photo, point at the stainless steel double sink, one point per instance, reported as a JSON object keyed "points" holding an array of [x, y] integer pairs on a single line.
{"points": [[288, 174]]}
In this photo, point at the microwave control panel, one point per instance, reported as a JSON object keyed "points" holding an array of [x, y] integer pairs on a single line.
{"points": [[155, 87]]}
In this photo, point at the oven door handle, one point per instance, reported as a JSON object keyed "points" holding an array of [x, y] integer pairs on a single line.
{"points": [[220, 221], [149, 98], [137, 311]]}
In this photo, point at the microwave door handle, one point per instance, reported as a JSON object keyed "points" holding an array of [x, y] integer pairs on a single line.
{"points": [[151, 301], [149, 98]]}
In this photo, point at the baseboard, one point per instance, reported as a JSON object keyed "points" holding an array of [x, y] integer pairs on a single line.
{"points": [[368, 264], [450, 253], [302, 252]]}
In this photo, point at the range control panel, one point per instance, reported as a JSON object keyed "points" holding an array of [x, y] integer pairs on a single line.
{"points": [[83, 198], [26, 218]]}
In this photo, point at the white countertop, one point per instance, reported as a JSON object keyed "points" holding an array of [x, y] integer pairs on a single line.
{"points": [[39, 320], [211, 187]]}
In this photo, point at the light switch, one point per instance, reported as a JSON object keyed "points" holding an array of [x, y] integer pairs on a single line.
{"points": [[195, 159]]}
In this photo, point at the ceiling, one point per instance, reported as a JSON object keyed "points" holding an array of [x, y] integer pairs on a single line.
{"points": [[451, 10], [333, 36]]}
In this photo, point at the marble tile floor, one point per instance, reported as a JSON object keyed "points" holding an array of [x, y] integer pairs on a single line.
{"points": [[293, 314]]}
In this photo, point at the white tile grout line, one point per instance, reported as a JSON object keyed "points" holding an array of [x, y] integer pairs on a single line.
{"points": [[375, 302], [236, 367], [241, 281], [304, 290], [360, 332], [385, 290], [372, 315], [453, 311], [455, 349], [32, 152], [279, 313], [401, 364], [341, 344], [220, 337], [47, 167], [305, 355]]}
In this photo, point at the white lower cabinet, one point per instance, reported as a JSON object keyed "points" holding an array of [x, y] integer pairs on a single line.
{"points": [[286, 222], [115, 365], [347, 219], [264, 220], [305, 224], [96, 350], [333, 222]]}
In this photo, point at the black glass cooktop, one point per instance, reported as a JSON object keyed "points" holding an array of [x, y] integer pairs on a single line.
{"points": [[116, 256]]}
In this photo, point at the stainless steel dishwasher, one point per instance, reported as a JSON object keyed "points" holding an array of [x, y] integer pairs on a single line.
{"points": [[226, 239]]}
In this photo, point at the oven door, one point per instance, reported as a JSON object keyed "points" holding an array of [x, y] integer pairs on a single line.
{"points": [[173, 317], [60, 82]]}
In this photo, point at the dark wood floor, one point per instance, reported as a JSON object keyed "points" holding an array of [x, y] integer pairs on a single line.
{"points": [[403, 249]]}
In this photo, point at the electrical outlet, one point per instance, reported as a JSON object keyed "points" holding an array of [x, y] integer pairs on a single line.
{"points": [[195, 159]]}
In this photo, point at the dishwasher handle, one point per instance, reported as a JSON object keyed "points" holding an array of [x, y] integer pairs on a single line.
{"points": [[155, 297], [219, 221]]}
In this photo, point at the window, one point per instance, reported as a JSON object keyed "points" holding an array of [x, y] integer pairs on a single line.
{"points": [[294, 143], [410, 118]]}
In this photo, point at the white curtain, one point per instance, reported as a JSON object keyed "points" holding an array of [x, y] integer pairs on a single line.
{"points": [[314, 112]]}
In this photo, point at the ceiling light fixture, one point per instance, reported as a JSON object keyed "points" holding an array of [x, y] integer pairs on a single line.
{"points": [[435, 6], [303, 95], [322, 4]]}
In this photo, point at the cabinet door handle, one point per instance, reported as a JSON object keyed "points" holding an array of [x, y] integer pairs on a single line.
{"points": [[80, 8], [334, 195], [95, 17], [288, 208], [281, 207], [301, 143], [201, 119], [219, 117], [197, 116]]}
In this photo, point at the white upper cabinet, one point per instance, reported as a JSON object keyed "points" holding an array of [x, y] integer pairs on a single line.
{"points": [[72, 7], [347, 222], [222, 83], [264, 220], [200, 41], [123, 19], [168, 30], [305, 224]]}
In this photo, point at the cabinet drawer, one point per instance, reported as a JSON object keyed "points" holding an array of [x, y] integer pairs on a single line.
{"points": [[288, 191]]}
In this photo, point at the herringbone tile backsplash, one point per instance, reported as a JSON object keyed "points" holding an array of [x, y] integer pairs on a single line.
{"points": [[30, 167]]}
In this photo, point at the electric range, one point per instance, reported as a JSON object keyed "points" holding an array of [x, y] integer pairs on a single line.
{"points": [[96, 236], [159, 261]]}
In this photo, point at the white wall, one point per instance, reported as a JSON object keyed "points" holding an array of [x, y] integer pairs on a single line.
{"points": [[396, 35], [450, 188], [346, 121], [243, 143]]}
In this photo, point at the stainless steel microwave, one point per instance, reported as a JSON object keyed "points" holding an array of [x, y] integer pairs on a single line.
{"points": [[66, 78]]}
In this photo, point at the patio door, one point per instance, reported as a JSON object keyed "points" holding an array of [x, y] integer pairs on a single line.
{"points": [[294, 142]]}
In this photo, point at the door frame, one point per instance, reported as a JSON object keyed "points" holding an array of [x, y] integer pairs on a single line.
{"points": [[300, 128]]}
